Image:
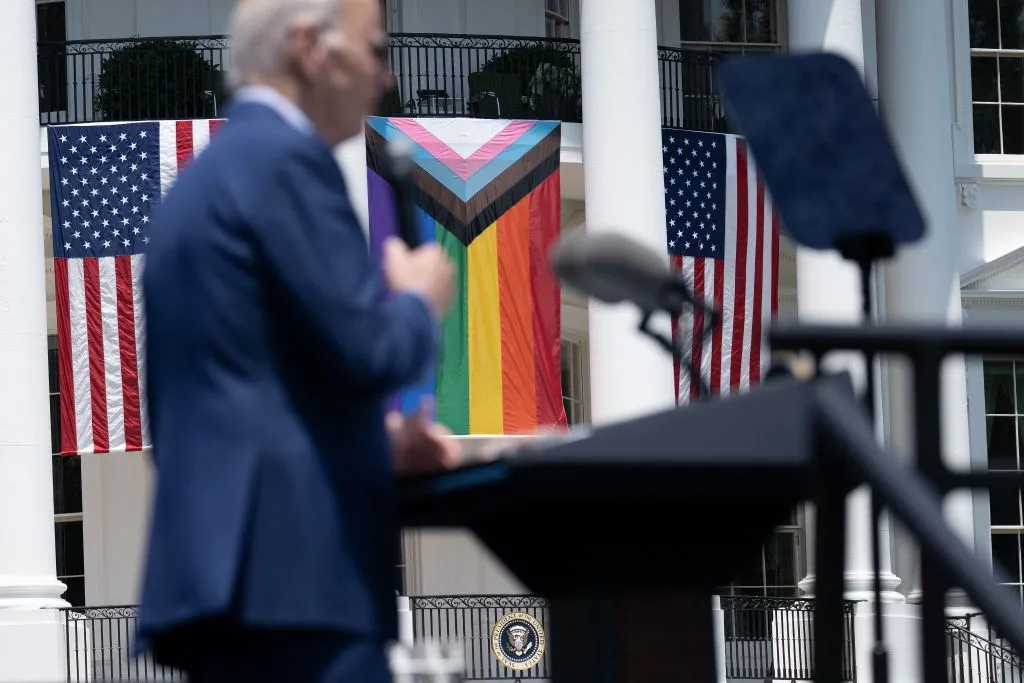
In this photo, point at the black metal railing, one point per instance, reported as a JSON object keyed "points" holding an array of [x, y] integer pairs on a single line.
{"points": [[88, 81], [978, 655], [99, 641], [435, 75], [765, 639], [470, 620], [773, 638]]}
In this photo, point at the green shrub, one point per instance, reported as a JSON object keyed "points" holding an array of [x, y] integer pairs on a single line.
{"points": [[524, 61], [158, 79]]}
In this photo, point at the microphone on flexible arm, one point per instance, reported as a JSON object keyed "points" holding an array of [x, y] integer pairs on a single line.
{"points": [[399, 174], [615, 269]]}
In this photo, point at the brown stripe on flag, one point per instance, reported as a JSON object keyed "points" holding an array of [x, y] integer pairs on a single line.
{"points": [[509, 178], [462, 218]]}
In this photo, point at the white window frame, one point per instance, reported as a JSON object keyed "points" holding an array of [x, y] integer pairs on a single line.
{"points": [[557, 12], [1008, 529], [795, 529], [67, 517], [971, 166], [780, 44], [576, 359]]}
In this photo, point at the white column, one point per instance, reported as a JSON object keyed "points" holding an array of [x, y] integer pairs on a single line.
{"points": [[629, 375], [30, 645], [923, 283], [828, 290]]}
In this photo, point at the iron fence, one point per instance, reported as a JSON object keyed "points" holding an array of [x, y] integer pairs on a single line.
{"points": [[773, 638], [765, 639], [470, 620], [99, 642], [435, 75], [89, 81]]}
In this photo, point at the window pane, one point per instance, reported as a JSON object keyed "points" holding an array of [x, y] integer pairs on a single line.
{"points": [[1006, 554], [75, 593], [780, 560], [984, 23], [751, 580], [70, 549], [52, 366], [984, 79], [998, 388], [1004, 508], [1011, 18], [760, 21], [986, 129], [51, 23], [1019, 376], [1011, 79], [67, 484], [1002, 443], [711, 20], [55, 423], [1013, 129]]}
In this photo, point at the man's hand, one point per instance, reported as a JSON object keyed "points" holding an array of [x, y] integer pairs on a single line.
{"points": [[421, 446], [425, 270]]}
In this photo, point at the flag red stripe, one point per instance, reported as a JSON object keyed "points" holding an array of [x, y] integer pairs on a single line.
{"points": [[755, 323], [547, 306], [129, 358], [215, 124], [739, 299], [65, 380], [97, 365], [184, 143]]}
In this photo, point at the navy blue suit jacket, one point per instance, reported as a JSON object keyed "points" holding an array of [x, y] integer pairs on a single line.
{"points": [[272, 344]]}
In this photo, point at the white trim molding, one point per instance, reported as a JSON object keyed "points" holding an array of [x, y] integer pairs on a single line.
{"points": [[976, 277], [992, 299]]}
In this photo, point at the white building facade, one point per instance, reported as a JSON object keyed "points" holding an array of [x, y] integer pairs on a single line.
{"points": [[949, 79]]}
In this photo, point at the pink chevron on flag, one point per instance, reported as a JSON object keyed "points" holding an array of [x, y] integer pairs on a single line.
{"points": [[463, 165]]}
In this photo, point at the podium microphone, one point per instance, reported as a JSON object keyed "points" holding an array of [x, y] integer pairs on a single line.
{"points": [[400, 174], [615, 269]]}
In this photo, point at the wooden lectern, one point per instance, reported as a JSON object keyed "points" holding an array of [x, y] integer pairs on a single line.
{"points": [[629, 529]]}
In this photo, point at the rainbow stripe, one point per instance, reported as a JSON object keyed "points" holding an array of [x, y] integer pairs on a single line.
{"points": [[488, 192]]}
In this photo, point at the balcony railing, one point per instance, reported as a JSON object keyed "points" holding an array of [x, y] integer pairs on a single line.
{"points": [[436, 75], [979, 657], [773, 639], [98, 644], [765, 638]]}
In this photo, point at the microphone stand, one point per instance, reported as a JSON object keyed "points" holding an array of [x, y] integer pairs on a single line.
{"points": [[676, 296]]}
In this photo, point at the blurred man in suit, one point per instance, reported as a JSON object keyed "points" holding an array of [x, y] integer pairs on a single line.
{"points": [[273, 340]]}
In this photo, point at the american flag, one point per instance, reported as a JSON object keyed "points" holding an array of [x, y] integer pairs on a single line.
{"points": [[105, 182], [723, 236]]}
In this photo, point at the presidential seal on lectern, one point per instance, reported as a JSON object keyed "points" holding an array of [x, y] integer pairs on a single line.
{"points": [[518, 641]]}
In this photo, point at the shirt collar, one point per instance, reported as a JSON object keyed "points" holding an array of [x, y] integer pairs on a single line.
{"points": [[285, 108]]}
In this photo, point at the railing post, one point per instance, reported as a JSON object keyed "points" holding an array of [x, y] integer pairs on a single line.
{"points": [[718, 623], [405, 629]]}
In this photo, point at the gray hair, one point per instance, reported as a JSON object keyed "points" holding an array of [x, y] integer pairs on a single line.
{"points": [[259, 29]]}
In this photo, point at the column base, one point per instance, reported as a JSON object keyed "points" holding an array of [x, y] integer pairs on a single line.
{"points": [[957, 602], [31, 592], [902, 624], [859, 586], [32, 646]]}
